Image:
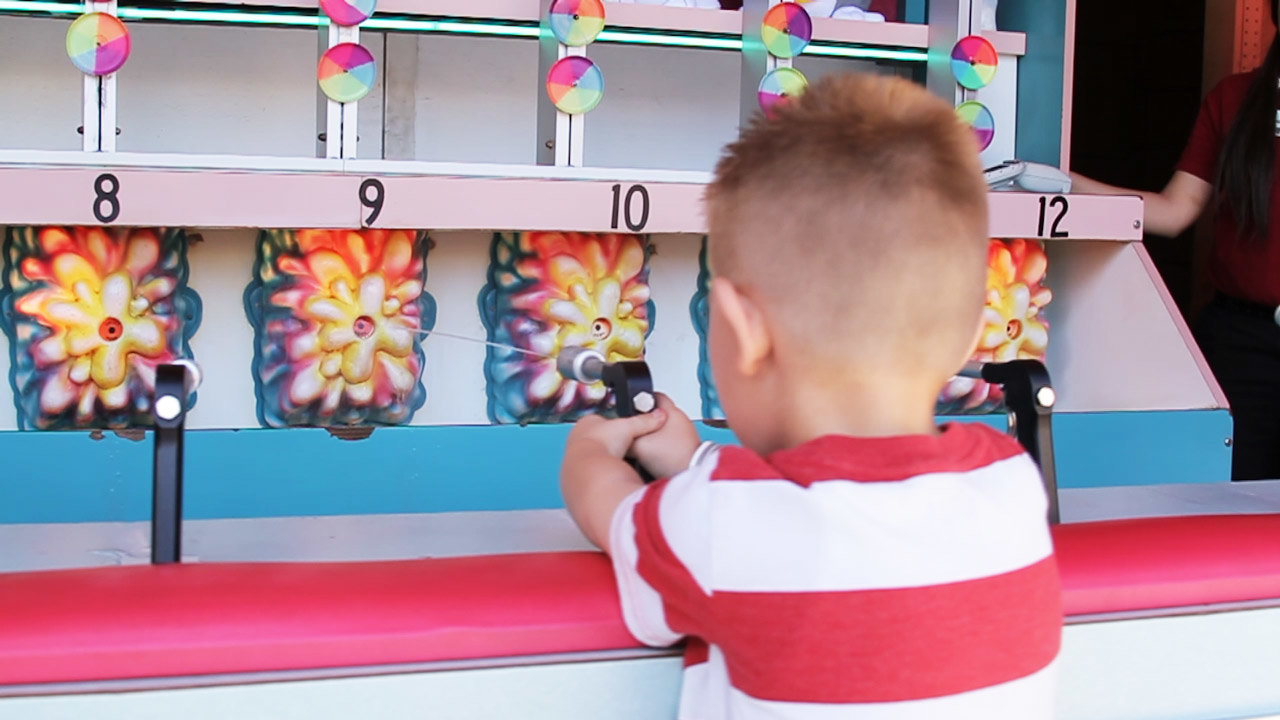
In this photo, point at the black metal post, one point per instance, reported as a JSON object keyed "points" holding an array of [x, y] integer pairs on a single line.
{"points": [[170, 411], [1030, 398]]}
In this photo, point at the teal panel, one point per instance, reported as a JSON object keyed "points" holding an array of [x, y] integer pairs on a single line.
{"points": [[71, 477], [915, 11], [1142, 448], [1040, 76]]}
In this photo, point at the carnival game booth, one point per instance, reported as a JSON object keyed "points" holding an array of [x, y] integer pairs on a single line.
{"points": [[375, 228]]}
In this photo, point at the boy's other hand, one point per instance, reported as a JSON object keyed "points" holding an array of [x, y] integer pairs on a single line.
{"points": [[615, 436], [668, 449], [593, 477]]}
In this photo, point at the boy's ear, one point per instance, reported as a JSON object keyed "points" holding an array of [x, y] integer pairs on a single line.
{"points": [[746, 322]]}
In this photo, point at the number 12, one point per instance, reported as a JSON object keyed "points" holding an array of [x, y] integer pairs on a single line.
{"points": [[1059, 202]]}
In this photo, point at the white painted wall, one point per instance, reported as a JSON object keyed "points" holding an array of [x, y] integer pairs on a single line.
{"points": [[208, 89], [473, 99], [40, 90]]}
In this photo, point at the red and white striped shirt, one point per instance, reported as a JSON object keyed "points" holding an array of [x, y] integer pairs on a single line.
{"points": [[888, 578]]}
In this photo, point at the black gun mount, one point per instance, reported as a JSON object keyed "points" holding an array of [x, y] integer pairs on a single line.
{"points": [[1029, 399], [175, 384]]}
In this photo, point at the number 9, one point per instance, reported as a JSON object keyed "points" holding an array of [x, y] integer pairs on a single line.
{"points": [[372, 201]]}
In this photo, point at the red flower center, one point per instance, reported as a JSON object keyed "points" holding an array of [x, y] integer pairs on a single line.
{"points": [[601, 328], [1013, 329], [363, 326], [110, 329]]}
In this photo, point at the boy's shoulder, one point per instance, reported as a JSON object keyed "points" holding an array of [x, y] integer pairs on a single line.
{"points": [[956, 448]]}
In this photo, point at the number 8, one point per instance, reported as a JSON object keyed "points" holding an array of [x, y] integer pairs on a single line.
{"points": [[108, 197]]}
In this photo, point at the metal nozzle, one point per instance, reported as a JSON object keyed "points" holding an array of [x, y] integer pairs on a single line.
{"points": [[581, 364]]}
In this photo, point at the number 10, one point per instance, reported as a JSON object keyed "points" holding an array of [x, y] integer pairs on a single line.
{"points": [[622, 206]]}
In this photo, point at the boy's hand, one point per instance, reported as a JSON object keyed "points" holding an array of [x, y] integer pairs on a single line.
{"points": [[594, 479], [613, 437], [667, 450]]}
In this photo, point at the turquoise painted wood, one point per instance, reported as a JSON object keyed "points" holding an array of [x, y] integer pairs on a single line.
{"points": [[1040, 76], [915, 11], [70, 477]]}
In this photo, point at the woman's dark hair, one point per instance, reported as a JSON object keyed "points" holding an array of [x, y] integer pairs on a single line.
{"points": [[1247, 166]]}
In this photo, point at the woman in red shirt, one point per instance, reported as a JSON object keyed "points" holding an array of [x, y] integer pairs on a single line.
{"points": [[1230, 167]]}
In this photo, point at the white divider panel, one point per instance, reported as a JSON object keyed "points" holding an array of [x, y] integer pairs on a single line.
{"points": [[221, 266], [672, 348], [40, 90], [1113, 344], [454, 374], [8, 415]]}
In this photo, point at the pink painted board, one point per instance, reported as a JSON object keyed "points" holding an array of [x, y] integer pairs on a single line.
{"points": [[1081, 217], [172, 198], [439, 202]]}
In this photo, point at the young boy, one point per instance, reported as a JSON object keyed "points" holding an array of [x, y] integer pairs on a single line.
{"points": [[852, 559]]}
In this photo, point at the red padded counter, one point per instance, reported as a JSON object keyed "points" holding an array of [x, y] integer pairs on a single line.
{"points": [[173, 620], [142, 621], [1150, 563]]}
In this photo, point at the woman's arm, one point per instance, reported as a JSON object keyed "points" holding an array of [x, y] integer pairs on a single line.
{"points": [[1167, 212]]}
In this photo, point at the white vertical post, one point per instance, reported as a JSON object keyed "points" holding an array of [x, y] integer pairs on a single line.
{"points": [[570, 129], [107, 126], [99, 99], [949, 20], [756, 60], [561, 136], [91, 119], [340, 118]]}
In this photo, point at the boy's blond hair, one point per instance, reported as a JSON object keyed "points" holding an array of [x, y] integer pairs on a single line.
{"points": [[857, 218]]}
